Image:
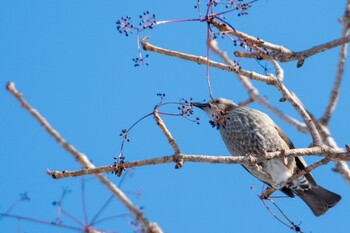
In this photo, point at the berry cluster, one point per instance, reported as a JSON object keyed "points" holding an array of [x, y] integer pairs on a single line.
{"points": [[219, 120], [186, 109], [24, 197], [125, 135], [120, 158], [238, 5], [147, 20], [161, 96], [125, 26], [140, 60]]}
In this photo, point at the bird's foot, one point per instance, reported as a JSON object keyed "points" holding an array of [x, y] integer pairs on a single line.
{"points": [[282, 151], [266, 194], [250, 157]]}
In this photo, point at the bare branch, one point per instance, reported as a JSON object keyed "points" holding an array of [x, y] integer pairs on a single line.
{"points": [[203, 61], [179, 159], [324, 151], [250, 39], [268, 79], [301, 56], [340, 69], [296, 103], [82, 159], [341, 166], [345, 20], [278, 53], [198, 59]]}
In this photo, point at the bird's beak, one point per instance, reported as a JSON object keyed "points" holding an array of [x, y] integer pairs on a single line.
{"points": [[200, 105]]}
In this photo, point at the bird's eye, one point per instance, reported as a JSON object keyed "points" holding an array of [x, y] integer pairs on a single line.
{"points": [[217, 101]]}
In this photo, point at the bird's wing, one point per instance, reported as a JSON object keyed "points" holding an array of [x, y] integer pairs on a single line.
{"points": [[300, 162], [284, 137]]}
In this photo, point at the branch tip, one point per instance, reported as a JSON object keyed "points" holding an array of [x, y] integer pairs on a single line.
{"points": [[119, 168], [300, 63], [10, 86], [179, 159], [347, 148], [51, 173], [144, 42]]}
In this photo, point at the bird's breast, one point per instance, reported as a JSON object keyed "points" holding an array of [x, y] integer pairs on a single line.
{"points": [[244, 135]]}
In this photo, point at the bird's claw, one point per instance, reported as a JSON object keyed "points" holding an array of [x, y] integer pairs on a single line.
{"points": [[266, 194]]}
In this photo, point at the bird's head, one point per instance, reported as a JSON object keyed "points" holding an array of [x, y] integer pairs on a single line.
{"points": [[216, 106], [217, 109]]}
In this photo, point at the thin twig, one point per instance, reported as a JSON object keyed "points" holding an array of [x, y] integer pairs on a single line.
{"points": [[268, 79], [40, 221], [82, 159]]}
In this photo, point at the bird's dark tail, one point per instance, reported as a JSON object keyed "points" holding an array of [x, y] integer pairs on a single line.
{"points": [[319, 199]]}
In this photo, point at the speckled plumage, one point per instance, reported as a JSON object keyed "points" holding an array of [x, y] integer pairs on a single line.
{"points": [[251, 132], [247, 131]]}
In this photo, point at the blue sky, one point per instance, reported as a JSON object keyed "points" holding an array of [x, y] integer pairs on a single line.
{"points": [[71, 64]]}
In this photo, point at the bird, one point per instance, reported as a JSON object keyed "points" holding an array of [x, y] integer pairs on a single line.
{"points": [[246, 131]]}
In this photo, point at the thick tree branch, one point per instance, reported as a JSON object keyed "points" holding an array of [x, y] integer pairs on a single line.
{"points": [[278, 52], [197, 59], [329, 153], [295, 102], [203, 60], [254, 41], [84, 161]]}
